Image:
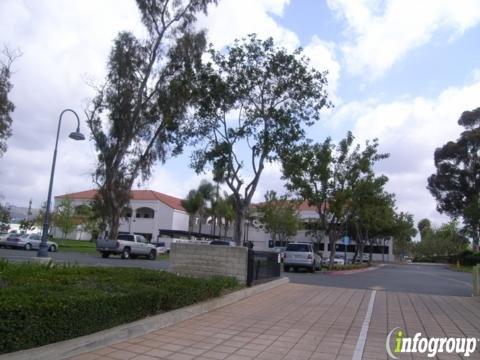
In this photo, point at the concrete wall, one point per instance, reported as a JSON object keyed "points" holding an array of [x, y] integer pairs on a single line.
{"points": [[208, 260]]}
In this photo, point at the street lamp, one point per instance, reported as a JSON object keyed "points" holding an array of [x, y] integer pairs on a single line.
{"points": [[77, 135]]}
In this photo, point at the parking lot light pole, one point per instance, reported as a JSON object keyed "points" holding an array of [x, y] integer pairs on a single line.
{"points": [[77, 135]]}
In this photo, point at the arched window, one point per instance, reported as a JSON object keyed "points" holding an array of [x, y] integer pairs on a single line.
{"points": [[145, 213]]}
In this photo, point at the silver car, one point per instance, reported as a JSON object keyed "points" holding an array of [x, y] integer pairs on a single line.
{"points": [[28, 242], [301, 255]]}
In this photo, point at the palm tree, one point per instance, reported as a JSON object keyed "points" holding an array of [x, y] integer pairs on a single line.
{"points": [[206, 191], [224, 211], [192, 204]]}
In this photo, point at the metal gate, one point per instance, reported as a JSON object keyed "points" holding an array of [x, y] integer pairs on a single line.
{"points": [[262, 266]]}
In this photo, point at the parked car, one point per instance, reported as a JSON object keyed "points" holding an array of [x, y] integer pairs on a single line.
{"points": [[339, 260], [301, 255], [281, 251], [222, 242], [28, 242], [127, 246], [161, 248]]}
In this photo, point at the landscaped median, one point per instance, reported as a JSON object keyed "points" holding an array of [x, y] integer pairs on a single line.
{"points": [[42, 304]]}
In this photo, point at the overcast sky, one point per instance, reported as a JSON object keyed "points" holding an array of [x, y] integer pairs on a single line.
{"points": [[399, 70]]}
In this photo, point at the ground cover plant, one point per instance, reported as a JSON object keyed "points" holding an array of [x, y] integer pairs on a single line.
{"points": [[42, 304]]}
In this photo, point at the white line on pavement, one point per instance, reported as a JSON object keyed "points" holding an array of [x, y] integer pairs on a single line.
{"points": [[362, 338]]}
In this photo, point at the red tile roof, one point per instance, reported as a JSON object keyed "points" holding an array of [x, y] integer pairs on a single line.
{"points": [[171, 201]]}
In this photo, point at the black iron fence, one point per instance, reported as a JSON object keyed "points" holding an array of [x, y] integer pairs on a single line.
{"points": [[262, 266]]}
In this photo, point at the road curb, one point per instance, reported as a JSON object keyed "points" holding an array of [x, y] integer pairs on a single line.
{"points": [[68, 348], [350, 272]]}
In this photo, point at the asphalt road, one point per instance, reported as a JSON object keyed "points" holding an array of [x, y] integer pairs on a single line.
{"points": [[85, 259], [412, 278]]}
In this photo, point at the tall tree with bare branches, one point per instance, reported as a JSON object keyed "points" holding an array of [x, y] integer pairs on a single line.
{"points": [[136, 119]]}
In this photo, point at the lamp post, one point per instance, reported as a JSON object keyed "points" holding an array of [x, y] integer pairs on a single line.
{"points": [[77, 135]]}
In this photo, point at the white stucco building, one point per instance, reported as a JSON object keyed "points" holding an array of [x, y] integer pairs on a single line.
{"points": [[148, 213], [153, 214]]}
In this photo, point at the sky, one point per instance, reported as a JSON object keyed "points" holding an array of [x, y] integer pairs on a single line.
{"points": [[401, 71]]}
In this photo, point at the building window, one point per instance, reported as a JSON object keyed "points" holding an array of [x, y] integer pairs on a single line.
{"points": [[145, 213]]}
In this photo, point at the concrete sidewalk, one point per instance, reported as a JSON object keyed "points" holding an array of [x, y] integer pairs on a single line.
{"points": [[298, 322]]}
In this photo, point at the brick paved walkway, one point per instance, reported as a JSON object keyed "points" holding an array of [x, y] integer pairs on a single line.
{"points": [[298, 322]]}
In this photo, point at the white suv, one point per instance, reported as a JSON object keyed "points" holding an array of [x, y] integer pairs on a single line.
{"points": [[301, 255]]}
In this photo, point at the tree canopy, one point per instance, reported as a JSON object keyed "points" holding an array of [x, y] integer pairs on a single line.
{"points": [[255, 100], [6, 105], [456, 183], [279, 216], [136, 117]]}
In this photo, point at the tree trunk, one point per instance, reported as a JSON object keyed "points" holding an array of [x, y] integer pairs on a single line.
{"points": [[332, 240], [475, 247], [238, 226], [114, 224], [370, 255]]}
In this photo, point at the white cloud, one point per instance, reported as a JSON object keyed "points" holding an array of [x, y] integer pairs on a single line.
{"points": [[233, 19], [382, 32], [322, 57], [410, 130]]}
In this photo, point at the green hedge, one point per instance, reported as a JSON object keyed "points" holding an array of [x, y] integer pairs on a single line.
{"points": [[42, 304], [465, 258]]}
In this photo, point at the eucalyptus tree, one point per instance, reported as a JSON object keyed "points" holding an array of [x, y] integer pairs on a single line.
{"points": [[137, 116], [326, 176], [6, 105], [456, 183], [255, 101]]}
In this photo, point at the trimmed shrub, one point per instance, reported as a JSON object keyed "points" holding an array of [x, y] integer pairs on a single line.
{"points": [[42, 304]]}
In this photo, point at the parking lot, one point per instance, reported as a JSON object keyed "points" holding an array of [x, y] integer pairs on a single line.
{"points": [[412, 278]]}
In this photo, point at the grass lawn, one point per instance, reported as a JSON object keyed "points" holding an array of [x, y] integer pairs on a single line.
{"points": [[42, 304], [76, 245], [461, 268]]}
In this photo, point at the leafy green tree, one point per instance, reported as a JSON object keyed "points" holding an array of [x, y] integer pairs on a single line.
{"points": [[424, 228], [4, 218], [192, 204], [326, 176], [456, 183], [279, 217], [403, 233], [136, 118], [254, 100], [371, 211], [224, 210], [64, 217], [447, 240], [6, 105]]}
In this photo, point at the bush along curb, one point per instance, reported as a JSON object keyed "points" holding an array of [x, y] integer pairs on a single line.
{"points": [[69, 348]]}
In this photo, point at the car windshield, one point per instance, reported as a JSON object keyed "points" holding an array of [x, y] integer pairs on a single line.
{"points": [[219, 242], [160, 244], [298, 247]]}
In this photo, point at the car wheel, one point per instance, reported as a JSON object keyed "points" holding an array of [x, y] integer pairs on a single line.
{"points": [[312, 269], [294, 269], [286, 268], [105, 254], [152, 255], [52, 248], [28, 247], [126, 253]]}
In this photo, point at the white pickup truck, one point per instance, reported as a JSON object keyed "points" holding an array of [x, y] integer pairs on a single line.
{"points": [[128, 246]]}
